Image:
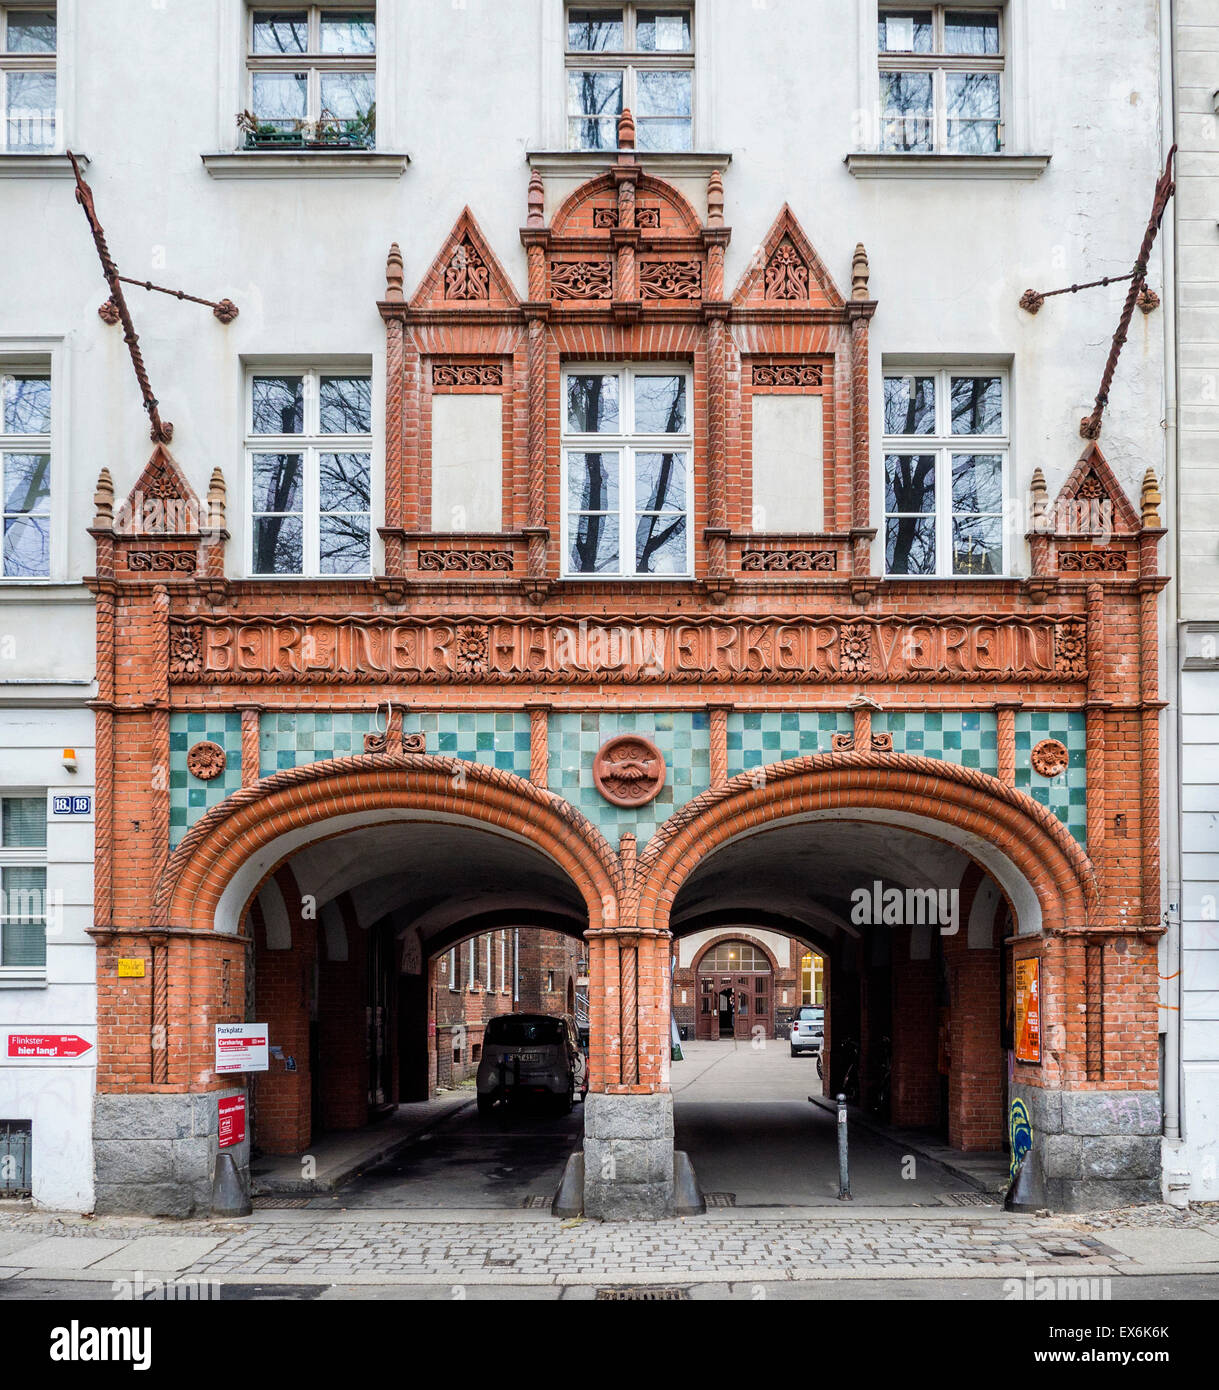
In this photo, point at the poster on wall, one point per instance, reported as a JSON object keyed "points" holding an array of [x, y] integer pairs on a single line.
{"points": [[232, 1121], [1028, 1009]]}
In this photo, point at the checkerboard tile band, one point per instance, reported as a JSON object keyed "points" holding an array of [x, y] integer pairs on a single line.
{"points": [[190, 798], [1067, 794], [759, 737], [481, 736], [969, 738], [683, 736]]}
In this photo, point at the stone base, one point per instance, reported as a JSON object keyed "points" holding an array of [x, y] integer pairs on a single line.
{"points": [[1095, 1149], [628, 1157], [155, 1155]]}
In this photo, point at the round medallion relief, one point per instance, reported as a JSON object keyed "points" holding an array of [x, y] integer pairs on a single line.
{"points": [[1050, 758], [629, 770], [206, 760]]}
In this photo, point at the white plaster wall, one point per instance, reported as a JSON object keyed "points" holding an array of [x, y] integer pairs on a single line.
{"points": [[689, 946], [57, 1097]]}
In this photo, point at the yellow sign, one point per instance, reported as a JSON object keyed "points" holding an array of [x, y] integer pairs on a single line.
{"points": [[133, 969]]}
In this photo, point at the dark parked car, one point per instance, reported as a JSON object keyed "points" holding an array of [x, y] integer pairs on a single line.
{"points": [[531, 1055]]}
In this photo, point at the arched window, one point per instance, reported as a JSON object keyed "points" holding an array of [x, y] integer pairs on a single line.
{"points": [[735, 957]]}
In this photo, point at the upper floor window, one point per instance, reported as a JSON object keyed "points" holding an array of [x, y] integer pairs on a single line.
{"points": [[309, 456], [25, 453], [23, 883], [941, 79], [946, 448], [627, 447], [27, 78], [635, 56], [312, 77]]}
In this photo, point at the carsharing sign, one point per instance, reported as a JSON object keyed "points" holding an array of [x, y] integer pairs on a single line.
{"points": [[241, 1047]]}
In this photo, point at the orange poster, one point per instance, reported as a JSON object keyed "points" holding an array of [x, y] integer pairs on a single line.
{"points": [[1028, 1010]]}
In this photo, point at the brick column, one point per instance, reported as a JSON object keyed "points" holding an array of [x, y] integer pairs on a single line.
{"points": [[914, 1083]]}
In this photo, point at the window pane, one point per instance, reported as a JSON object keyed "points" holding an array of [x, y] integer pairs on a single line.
{"points": [[977, 483], [592, 404], [346, 404], [27, 405], [907, 115], [280, 98], [908, 32], [31, 31], [977, 405], [664, 93], [27, 482], [595, 31], [663, 31], [343, 482], [910, 545], [347, 98], [660, 405], [281, 31], [24, 822], [279, 404], [653, 133], [343, 545], [278, 482], [278, 545], [660, 482], [30, 110], [594, 544], [27, 547], [349, 31], [592, 482], [24, 900], [660, 545], [973, 112], [594, 101], [977, 545], [910, 483], [971, 31], [909, 405]]}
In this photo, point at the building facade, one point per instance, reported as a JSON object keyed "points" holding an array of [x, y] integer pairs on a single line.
{"points": [[620, 516]]}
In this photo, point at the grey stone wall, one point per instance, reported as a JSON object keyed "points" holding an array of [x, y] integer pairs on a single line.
{"points": [[1095, 1149], [155, 1154], [628, 1157]]}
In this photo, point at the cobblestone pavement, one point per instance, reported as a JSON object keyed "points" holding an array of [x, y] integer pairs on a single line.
{"points": [[360, 1248]]}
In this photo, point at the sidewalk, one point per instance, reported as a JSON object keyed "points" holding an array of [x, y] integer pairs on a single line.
{"points": [[339, 1156], [301, 1249]]}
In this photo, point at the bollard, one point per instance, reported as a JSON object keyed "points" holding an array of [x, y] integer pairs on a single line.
{"points": [[844, 1173]]}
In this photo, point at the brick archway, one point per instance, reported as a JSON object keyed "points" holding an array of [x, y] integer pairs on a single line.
{"points": [[205, 863], [1023, 833]]}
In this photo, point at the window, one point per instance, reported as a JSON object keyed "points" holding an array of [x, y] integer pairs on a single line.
{"points": [[309, 467], [23, 884], [945, 469], [941, 79], [550, 982], [812, 981], [627, 449], [25, 459], [312, 77], [454, 969], [27, 78], [631, 56], [735, 956]]}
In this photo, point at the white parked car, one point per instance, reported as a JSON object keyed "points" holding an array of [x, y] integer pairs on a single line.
{"points": [[808, 1029]]}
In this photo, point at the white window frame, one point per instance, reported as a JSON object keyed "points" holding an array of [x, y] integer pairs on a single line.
{"points": [[27, 858], [630, 61], [21, 63], [29, 444], [626, 443], [939, 64], [454, 982], [944, 444], [313, 62], [311, 443]]}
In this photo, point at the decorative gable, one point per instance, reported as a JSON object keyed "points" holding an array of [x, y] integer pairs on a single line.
{"points": [[788, 271], [1093, 486], [162, 502], [466, 273]]}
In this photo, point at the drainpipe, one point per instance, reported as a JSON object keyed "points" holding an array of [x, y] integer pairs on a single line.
{"points": [[516, 965], [1171, 988]]}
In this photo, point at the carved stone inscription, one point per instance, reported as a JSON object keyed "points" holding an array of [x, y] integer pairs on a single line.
{"points": [[627, 651]]}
